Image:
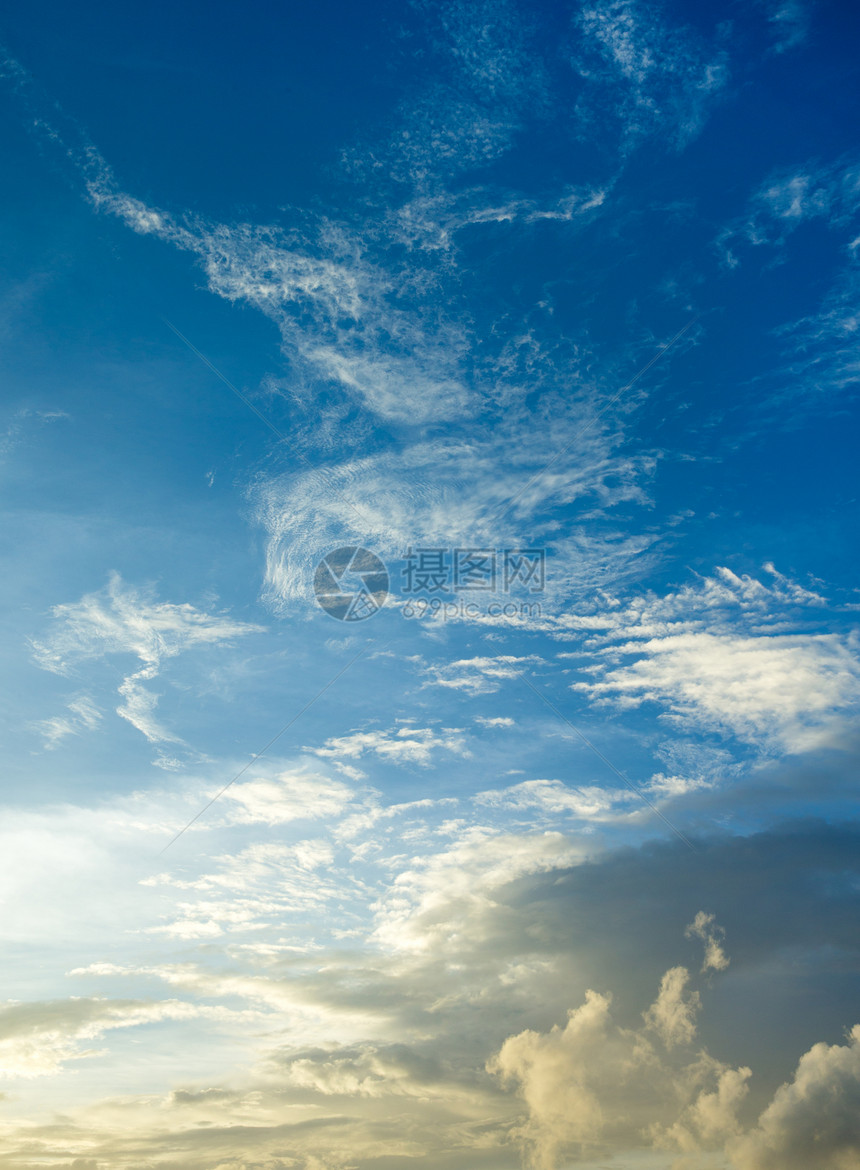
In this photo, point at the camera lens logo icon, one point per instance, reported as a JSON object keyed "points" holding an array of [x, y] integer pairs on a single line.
{"points": [[351, 584]]}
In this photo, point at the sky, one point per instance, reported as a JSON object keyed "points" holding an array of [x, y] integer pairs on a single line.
{"points": [[430, 610]]}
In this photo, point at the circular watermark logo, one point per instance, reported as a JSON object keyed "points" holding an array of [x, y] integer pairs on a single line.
{"points": [[351, 583]]}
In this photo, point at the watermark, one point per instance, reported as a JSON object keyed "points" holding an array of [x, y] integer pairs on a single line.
{"points": [[473, 570], [448, 610], [352, 584]]}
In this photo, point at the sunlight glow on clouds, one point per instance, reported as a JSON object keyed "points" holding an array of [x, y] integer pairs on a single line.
{"points": [[568, 887]]}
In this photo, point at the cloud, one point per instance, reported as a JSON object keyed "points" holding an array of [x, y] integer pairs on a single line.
{"points": [[37, 1039], [489, 491], [482, 937], [784, 690], [439, 900], [812, 1121], [791, 197], [121, 619], [594, 1085], [339, 313], [716, 656], [554, 797], [705, 928], [821, 354], [789, 20], [648, 78], [481, 675], [85, 716], [407, 745], [278, 796], [24, 419], [672, 1015]]}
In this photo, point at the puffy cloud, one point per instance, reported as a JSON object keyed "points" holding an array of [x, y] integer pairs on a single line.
{"points": [[672, 1015], [445, 900], [813, 1120], [593, 1085], [705, 928]]}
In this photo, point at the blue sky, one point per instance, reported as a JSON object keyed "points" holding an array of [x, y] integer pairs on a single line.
{"points": [[490, 878]]}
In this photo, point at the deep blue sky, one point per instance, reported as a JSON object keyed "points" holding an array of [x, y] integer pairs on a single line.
{"points": [[575, 278]]}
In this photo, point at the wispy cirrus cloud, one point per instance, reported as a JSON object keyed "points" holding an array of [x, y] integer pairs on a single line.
{"points": [[123, 620], [83, 715], [643, 75], [39, 1039], [789, 20], [481, 675], [791, 197]]}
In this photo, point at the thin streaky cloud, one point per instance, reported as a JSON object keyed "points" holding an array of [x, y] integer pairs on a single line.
{"points": [[624, 780], [595, 418], [263, 750]]}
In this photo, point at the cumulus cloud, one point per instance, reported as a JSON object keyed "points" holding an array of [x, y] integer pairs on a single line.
{"points": [[594, 1085], [704, 927], [812, 1121]]}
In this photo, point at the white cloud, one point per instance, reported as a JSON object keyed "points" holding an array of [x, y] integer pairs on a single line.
{"points": [[38, 1039], [553, 797], [276, 796], [790, 20], [437, 904], [651, 78], [481, 675], [822, 350], [786, 690], [121, 619], [448, 493], [717, 656], [85, 716], [792, 197], [672, 1015], [407, 745]]}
